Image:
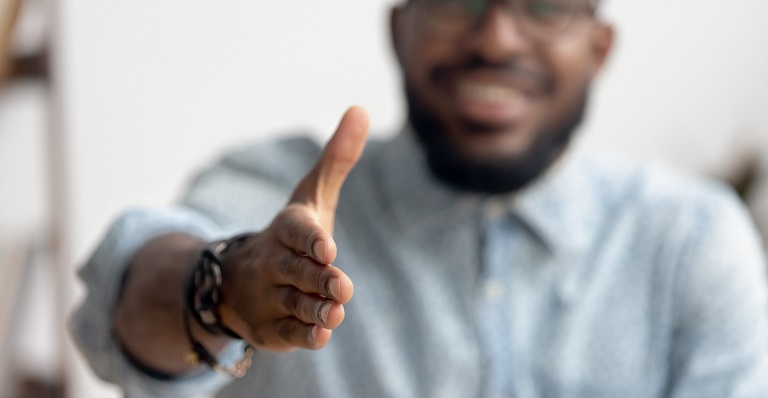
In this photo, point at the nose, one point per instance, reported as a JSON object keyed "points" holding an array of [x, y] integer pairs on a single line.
{"points": [[499, 35]]}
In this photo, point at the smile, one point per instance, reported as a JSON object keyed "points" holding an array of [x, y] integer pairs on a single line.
{"points": [[488, 92], [491, 103]]}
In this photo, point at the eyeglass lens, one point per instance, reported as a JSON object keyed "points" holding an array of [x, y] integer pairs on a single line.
{"points": [[541, 19]]}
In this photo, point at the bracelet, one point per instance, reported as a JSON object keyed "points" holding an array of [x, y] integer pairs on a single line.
{"points": [[202, 295], [198, 353]]}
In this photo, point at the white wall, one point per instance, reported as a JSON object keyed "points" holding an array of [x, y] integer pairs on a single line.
{"points": [[687, 84], [153, 90]]}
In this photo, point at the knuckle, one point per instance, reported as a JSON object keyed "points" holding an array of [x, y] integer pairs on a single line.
{"points": [[291, 265], [286, 221], [340, 162], [292, 231], [303, 239], [291, 300], [286, 330], [257, 338], [311, 235], [306, 270], [306, 274], [312, 310], [294, 332], [304, 309], [282, 219], [298, 229]]}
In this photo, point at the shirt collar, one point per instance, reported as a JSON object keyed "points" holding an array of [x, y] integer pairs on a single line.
{"points": [[559, 207], [417, 198]]}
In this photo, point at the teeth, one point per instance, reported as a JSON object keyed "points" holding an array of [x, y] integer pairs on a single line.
{"points": [[488, 92]]}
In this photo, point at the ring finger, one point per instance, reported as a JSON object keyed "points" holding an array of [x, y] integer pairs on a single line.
{"points": [[312, 309]]}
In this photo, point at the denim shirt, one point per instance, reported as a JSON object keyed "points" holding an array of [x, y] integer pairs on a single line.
{"points": [[604, 278]]}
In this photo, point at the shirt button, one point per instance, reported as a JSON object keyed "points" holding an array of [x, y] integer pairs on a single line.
{"points": [[494, 290]]}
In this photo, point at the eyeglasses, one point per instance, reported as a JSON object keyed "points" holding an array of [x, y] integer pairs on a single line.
{"points": [[540, 20]]}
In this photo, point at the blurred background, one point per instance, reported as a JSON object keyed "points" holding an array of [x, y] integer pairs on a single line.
{"points": [[106, 105]]}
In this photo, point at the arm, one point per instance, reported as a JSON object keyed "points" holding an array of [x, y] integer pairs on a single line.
{"points": [[91, 324], [279, 292], [148, 316]]}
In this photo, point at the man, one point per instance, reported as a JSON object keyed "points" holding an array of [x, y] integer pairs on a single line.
{"points": [[485, 261]]}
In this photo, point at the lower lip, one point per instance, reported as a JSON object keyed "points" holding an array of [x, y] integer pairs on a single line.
{"points": [[496, 112]]}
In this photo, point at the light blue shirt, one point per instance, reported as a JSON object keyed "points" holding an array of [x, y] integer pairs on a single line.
{"points": [[602, 279]]}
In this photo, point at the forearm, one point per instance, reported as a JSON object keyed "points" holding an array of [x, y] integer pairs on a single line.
{"points": [[148, 317]]}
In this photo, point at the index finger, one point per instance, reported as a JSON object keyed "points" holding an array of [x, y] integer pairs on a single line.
{"points": [[299, 230]]}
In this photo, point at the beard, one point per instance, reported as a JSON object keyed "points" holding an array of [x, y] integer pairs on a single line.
{"points": [[492, 175]]}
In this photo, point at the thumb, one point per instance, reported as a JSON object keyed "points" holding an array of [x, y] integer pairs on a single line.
{"points": [[321, 187]]}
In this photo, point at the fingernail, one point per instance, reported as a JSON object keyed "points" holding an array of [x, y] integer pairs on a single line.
{"points": [[320, 250], [313, 333], [322, 314], [334, 288]]}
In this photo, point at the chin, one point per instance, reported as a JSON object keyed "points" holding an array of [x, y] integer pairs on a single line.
{"points": [[482, 158], [497, 142]]}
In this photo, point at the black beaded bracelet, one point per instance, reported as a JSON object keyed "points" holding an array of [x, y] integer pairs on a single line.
{"points": [[202, 295]]}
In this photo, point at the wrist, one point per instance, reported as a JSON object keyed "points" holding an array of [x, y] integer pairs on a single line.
{"points": [[202, 306]]}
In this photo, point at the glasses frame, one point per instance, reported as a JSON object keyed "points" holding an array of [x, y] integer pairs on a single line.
{"points": [[515, 7]]}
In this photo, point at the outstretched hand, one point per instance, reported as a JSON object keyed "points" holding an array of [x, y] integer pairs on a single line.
{"points": [[280, 291]]}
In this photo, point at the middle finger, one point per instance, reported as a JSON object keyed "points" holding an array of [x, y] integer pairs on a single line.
{"points": [[312, 277]]}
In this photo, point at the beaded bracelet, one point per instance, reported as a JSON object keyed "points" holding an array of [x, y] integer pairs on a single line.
{"points": [[202, 295]]}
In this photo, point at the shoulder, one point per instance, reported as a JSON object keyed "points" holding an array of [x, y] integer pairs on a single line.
{"points": [[655, 190], [284, 161], [678, 216], [697, 226], [281, 160], [248, 185]]}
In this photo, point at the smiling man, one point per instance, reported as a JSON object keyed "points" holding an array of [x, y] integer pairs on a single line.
{"points": [[485, 263], [493, 98]]}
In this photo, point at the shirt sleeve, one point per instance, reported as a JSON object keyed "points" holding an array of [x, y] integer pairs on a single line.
{"points": [[91, 324], [721, 338]]}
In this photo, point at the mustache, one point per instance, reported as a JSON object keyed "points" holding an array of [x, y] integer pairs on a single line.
{"points": [[511, 67]]}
